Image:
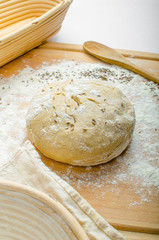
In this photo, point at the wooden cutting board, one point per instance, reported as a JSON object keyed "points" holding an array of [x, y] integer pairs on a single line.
{"points": [[119, 204]]}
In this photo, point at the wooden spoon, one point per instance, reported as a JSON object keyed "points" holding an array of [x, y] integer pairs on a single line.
{"points": [[109, 55]]}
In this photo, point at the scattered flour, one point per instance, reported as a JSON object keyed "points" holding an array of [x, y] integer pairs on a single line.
{"points": [[140, 161]]}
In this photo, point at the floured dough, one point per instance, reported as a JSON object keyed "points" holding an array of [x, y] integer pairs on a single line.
{"points": [[80, 123]]}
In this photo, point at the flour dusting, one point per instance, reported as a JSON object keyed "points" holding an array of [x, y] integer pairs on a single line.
{"points": [[140, 161]]}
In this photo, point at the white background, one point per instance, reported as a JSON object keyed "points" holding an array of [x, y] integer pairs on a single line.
{"points": [[122, 24]]}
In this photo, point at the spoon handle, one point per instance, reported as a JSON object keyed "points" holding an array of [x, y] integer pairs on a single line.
{"points": [[142, 72], [131, 67], [118, 60]]}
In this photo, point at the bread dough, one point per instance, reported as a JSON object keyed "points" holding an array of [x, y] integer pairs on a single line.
{"points": [[80, 123]]}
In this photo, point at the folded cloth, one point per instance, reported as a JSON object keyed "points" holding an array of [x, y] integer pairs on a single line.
{"points": [[27, 168]]}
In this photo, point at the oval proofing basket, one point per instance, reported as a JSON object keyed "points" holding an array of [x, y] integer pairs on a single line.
{"points": [[26, 213], [26, 24]]}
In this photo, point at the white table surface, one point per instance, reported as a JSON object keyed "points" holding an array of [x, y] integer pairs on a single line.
{"points": [[122, 24]]}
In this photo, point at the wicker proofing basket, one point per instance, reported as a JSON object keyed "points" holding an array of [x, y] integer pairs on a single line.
{"points": [[25, 24], [26, 213]]}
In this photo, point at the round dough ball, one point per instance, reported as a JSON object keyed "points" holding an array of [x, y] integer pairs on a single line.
{"points": [[82, 123]]}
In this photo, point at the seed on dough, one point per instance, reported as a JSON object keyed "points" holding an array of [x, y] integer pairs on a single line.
{"points": [[93, 121]]}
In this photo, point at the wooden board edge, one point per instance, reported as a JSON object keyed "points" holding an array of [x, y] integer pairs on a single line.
{"points": [[79, 48], [147, 229], [130, 235]]}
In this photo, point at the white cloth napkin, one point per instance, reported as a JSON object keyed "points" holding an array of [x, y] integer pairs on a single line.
{"points": [[27, 168]]}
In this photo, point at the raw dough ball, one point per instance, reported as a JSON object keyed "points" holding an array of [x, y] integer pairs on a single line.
{"points": [[83, 124]]}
